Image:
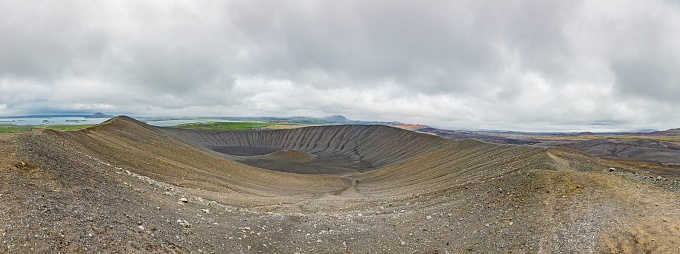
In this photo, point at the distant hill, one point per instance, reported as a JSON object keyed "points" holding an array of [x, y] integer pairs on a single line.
{"points": [[336, 118], [585, 133], [671, 132], [99, 115]]}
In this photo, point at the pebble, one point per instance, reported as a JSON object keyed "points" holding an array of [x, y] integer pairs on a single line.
{"points": [[319, 241], [183, 223], [141, 227], [429, 217], [183, 200], [402, 243]]}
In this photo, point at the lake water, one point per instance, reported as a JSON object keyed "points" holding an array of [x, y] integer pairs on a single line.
{"points": [[51, 120], [82, 120]]}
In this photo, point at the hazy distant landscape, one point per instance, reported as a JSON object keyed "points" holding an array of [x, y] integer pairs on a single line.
{"points": [[73, 122]]}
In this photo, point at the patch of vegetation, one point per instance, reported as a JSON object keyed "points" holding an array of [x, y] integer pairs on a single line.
{"points": [[12, 128], [24, 166], [65, 127], [224, 125]]}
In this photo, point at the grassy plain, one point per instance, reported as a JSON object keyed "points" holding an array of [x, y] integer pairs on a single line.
{"points": [[12, 128], [224, 125]]}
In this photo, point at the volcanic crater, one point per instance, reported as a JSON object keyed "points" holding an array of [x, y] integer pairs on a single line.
{"points": [[124, 186]]}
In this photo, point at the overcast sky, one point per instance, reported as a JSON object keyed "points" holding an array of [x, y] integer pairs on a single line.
{"points": [[514, 65]]}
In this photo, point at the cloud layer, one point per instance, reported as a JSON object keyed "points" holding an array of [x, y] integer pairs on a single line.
{"points": [[526, 65]]}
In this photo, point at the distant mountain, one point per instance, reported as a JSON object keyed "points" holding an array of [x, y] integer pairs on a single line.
{"points": [[99, 115], [490, 137], [336, 118], [645, 130], [671, 132]]}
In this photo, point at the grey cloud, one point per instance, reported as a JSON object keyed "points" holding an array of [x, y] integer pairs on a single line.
{"points": [[467, 64], [439, 47], [648, 80]]}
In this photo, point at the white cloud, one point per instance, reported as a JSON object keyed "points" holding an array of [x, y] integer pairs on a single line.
{"points": [[464, 64]]}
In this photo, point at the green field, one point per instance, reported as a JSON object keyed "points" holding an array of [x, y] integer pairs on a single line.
{"points": [[224, 125], [65, 127], [11, 128]]}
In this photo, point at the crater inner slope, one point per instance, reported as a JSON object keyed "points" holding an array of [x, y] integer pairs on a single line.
{"points": [[340, 150], [146, 150]]}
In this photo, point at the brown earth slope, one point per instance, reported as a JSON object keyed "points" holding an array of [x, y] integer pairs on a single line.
{"points": [[124, 186]]}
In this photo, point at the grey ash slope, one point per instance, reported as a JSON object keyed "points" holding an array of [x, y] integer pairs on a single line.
{"points": [[148, 151], [338, 149]]}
